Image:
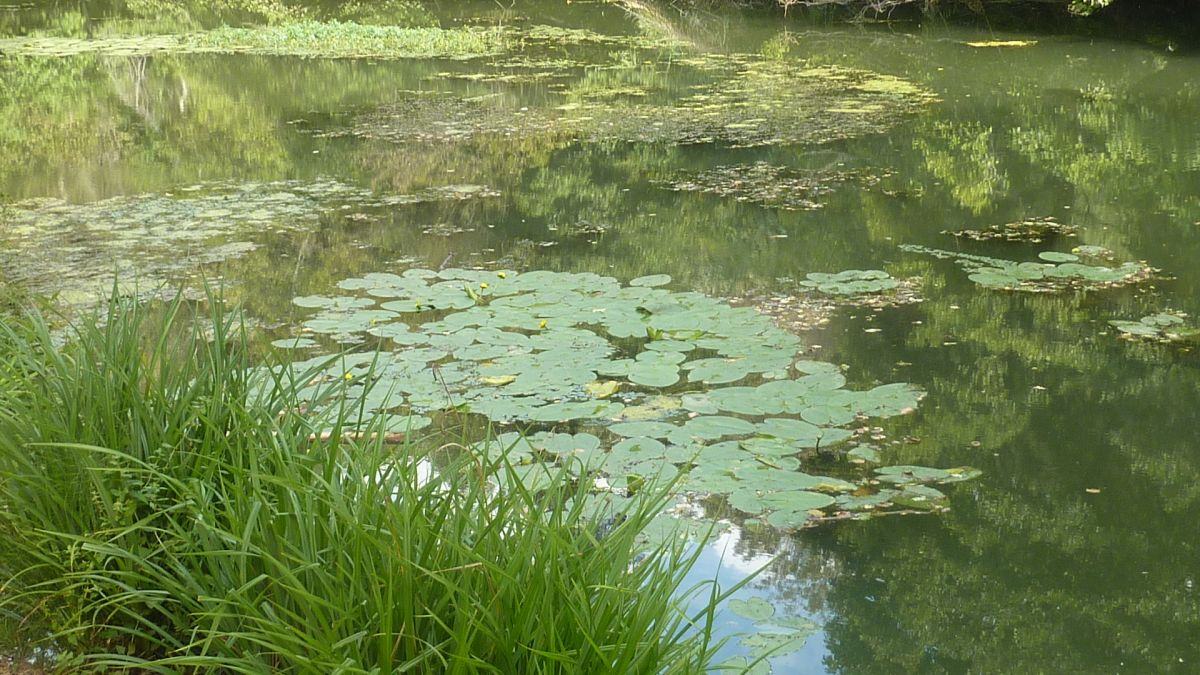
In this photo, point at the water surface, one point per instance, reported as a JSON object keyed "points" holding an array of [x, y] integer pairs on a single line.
{"points": [[1075, 550]]}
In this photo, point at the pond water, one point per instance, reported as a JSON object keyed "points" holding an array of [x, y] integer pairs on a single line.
{"points": [[1073, 551]]}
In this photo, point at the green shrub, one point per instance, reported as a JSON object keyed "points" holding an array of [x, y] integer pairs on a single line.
{"points": [[163, 511]]}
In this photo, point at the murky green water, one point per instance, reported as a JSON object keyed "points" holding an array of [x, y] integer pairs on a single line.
{"points": [[1074, 552]]}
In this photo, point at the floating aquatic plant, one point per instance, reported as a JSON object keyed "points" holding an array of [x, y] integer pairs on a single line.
{"points": [[74, 250], [332, 39], [637, 381], [1033, 230], [42, 46], [1088, 252], [1161, 327], [560, 36], [756, 103], [336, 39], [819, 296], [745, 103], [366, 36], [775, 634], [421, 116], [770, 185], [1057, 272], [850, 282]]}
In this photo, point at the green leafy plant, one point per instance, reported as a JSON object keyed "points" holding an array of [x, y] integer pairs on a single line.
{"points": [[164, 507]]}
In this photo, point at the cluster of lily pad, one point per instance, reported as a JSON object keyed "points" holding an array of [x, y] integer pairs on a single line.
{"points": [[1057, 271], [1160, 327], [850, 282], [769, 185], [773, 635], [74, 250], [635, 382], [1033, 230]]}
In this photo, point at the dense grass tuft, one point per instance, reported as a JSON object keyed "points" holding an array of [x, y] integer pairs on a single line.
{"points": [[162, 511]]}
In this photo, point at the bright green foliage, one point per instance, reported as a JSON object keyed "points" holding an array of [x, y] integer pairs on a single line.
{"points": [[163, 511], [338, 39]]}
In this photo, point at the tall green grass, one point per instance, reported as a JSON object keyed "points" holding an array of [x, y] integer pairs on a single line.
{"points": [[162, 511]]}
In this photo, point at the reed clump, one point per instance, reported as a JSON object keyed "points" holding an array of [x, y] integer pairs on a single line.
{"points": [[167, 505]]}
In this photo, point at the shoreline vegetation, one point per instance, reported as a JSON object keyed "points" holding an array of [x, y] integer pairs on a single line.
{"points": [[165, 511]]}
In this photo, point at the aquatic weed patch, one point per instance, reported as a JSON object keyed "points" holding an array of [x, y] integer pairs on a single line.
{"points": [[561, 36], [1034, 230], [1056, 272], [75, 250], [436, 117], [756, 103], [365, 33], [634, 379], [812, 302], [850, 282], [774, 635], [770, 185], [333, 39], [743, 103], [337, 39]]}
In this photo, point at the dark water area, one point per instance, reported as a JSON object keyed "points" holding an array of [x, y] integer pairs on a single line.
{"points": [[1074, 552]]}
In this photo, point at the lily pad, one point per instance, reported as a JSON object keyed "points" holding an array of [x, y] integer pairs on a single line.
{"points": [[1165, 327], [651, 280], [648, 429], [72, 251], [1028, 277], [850, 282], [530, 348], [755, 609]]}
